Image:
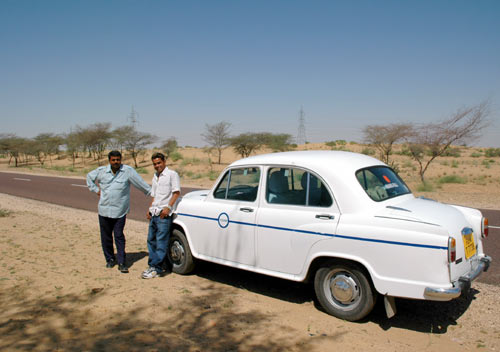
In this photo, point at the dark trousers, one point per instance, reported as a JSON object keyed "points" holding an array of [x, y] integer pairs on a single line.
{"points": [[108, 227]]}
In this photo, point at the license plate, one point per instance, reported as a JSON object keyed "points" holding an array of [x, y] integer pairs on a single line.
{"points": [[469, 245]]}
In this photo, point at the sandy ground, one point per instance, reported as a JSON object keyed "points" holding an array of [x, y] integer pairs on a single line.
{"points": [[57, 295]]}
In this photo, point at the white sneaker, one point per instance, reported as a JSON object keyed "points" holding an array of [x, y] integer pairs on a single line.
{"points": [[148, 270], [150, 274]]}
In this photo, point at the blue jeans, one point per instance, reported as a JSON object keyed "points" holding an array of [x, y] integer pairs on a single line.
{"points": [[158, 236]]}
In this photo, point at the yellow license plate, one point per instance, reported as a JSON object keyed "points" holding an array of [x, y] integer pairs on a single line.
{"points": [[470, 246]]}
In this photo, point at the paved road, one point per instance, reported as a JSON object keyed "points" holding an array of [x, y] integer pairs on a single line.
{"points": [[73, 192]]}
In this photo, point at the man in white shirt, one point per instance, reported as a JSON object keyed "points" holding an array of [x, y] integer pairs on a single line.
{"points": [[165, 192]]}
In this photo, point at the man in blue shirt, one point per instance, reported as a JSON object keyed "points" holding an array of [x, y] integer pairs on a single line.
{"points": [[112, 185]]}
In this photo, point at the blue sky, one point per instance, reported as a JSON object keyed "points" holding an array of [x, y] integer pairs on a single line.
{"points": [[183, 64]]}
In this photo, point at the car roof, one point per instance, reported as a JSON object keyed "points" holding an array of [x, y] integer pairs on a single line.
{"points": [[314, 159]]}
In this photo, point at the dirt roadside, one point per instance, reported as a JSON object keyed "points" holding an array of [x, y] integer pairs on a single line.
{"points": [[56, 294]]}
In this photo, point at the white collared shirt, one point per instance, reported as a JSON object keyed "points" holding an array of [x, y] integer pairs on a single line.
{"points": [[163, 186]]}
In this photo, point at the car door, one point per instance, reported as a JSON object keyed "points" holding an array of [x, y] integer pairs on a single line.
{"points": [[298, 210], [228, 217]]}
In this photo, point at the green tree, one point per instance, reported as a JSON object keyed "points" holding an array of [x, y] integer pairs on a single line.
{"points": [[246, 143]]}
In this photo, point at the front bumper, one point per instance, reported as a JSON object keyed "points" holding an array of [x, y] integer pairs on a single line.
{"points": [[463, 284]]}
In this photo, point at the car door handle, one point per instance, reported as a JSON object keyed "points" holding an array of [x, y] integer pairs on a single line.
{"points": [[246, 210], [325, 216]]}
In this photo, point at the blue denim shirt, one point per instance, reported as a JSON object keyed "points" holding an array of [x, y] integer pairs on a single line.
{"points": [[115, 189]]}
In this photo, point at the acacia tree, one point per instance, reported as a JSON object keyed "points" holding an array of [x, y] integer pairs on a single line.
{"points": [[95, 138], [217, 136], [383, 138], [44, 145], [135, 142], [246, 143], [14, 146], [74, 144], [431, 140], [276, 141]]}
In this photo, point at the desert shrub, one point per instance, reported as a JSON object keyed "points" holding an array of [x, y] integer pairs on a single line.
{"points": [[141, 170], [454, 152], [480, 180], [212, 175], [190, 161], [476, 155], [445, 163], [454, 164], [486, 163], [425, 187], [4, 213], [175, 156], [368, 151], [407, 165], [452, 179], [492, 152]]}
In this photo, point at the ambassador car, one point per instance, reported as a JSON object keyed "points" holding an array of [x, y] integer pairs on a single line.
{"points": [[346, 221]]}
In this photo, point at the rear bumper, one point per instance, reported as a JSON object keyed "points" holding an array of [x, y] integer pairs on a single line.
{"points": [[463, 284]]}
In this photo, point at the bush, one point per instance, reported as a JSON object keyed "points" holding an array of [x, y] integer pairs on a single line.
{"points": [[476, 155], [425, 187], [175, 156], [492, 152], [141, 170], [368, 151], [212, 175], [454, 164], [454, 152], [452, 179], [190, 161], [4, 213]]}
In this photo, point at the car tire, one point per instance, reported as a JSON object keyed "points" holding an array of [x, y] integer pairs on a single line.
{"points": [[344, 291], [179, 253]]}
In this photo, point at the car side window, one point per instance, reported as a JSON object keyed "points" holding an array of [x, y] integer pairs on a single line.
{"points": [[239, 184], [295, 186]]}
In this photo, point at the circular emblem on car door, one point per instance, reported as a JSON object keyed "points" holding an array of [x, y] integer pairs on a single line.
{"points": [[223, 220]]}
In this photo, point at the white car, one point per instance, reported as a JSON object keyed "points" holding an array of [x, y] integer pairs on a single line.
{"points": [[343, 219]]}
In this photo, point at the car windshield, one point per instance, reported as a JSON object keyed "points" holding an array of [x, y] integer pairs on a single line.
{"points": [[381, 183]]}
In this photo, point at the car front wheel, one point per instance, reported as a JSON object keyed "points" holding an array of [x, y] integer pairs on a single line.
{"points": [[344, 291], [180, 254]]}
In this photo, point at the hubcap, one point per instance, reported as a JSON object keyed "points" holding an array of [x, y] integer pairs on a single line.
{"points": [[177, 252], [344, 289]]}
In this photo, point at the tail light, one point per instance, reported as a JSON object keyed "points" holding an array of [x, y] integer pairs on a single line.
{"points": [[484, 228], [452, 250]]}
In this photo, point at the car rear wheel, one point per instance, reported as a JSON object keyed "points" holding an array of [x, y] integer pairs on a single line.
{"points": [[344, 291], [180, 254]]}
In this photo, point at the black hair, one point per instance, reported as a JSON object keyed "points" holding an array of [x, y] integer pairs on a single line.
{"points": [[114, 153], [158, 155]]}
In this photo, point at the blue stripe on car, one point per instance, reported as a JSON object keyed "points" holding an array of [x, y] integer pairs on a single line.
{"points": [[319, 233]]}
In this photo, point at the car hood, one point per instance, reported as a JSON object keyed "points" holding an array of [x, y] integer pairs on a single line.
{"points": [[426, 211]]}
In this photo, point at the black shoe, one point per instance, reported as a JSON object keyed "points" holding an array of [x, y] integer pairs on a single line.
{"points": [[123, 268], [110, 264]]}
